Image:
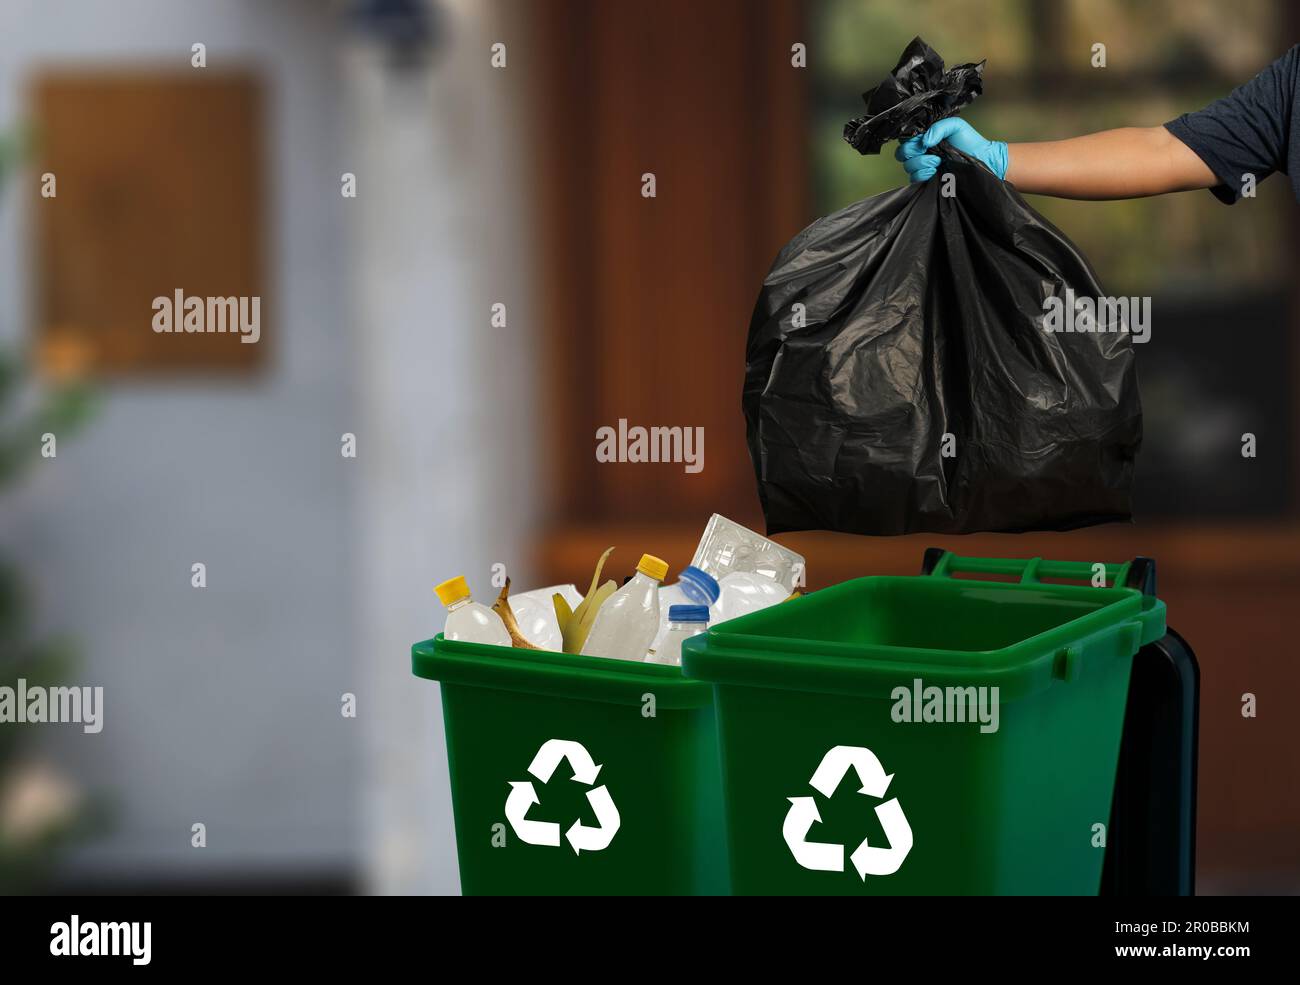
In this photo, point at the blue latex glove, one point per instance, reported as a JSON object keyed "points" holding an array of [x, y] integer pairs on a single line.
{"points": [[960, 135]]}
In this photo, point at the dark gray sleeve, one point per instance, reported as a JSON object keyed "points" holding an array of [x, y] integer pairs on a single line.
{"points": [[1248, 131]]}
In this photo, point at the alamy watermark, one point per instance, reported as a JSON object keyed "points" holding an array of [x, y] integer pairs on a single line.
{"points": [[652, 444], [236, 315], [102, 939], [35, 704], [1102, 314], [922, 704]]}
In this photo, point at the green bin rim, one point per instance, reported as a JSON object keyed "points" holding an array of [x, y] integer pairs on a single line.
{"points": [[557, 674], [1128, 621]]}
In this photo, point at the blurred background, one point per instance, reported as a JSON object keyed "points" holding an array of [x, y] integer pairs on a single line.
{"points": [[496, 290]]}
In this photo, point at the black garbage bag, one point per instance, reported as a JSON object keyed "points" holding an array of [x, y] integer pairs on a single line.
{"points": [[917, 93], [899, 376]]}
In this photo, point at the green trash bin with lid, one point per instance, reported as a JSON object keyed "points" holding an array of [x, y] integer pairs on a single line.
{"points": [[578, 775], [928, 734]]}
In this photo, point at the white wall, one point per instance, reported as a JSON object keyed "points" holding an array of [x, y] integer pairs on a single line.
{"points": [[222, 705], [447, 399]]}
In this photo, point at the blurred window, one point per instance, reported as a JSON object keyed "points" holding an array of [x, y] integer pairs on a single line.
{"points": [[159, 191]]}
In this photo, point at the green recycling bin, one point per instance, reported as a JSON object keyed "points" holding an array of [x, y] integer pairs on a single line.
{"points": [[578, 775], [926, 735]]}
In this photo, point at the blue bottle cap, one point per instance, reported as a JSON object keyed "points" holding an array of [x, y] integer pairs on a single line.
{"points": [[688, 613], [701, 579]]}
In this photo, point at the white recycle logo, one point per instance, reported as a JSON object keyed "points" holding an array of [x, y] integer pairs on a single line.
{"points": [[523, 795], [829, 857]]}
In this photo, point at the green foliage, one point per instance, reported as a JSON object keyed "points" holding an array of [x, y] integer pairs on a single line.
{"points": [[28, 412], [61, 411], [11, 151]]}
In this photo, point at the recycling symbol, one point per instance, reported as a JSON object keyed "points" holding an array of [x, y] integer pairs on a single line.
{"points": [[523, 795], [829, 857]]}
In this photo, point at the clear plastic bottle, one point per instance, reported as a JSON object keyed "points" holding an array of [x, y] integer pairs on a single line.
{"points": [[626, 624], [727, 546], [469, 620], [743, 592], [693, 587], [535, 613], [684, 621]]}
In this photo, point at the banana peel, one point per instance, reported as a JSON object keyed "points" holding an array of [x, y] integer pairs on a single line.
{"points": [[575, 624], [562, 611], [584, 617], [502, 608]]}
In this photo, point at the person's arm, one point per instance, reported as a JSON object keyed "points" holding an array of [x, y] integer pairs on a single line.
{"points": [[1251, 132], [1132, 162]]}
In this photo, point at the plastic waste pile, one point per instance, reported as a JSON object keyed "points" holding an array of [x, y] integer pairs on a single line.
{"points": [[735, 571]]}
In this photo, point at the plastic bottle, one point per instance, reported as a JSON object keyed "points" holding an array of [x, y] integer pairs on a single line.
{"points": [[627, 623], [468, 620], [742, 592], [693, 587], [684, 621], [727, 547], [535, 613]]}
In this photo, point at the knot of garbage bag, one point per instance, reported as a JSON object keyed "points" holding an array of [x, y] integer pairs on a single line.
{"points": [[916, 94]]}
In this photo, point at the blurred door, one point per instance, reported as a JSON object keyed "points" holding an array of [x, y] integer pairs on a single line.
{"points": [[647, 296]]}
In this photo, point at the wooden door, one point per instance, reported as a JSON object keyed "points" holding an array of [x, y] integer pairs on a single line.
{"points": [[646, 299]]}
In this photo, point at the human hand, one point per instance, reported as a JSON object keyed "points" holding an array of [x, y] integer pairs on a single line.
{"points": [[961, 136]]}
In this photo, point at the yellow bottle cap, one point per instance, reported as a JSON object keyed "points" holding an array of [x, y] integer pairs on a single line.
{"points": [[453, 590], [655, 567]]}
